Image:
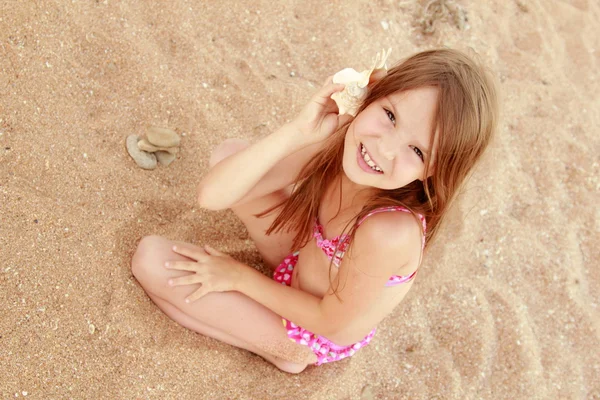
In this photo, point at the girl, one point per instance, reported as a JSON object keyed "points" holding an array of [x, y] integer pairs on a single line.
{"points": [[340, 207]]}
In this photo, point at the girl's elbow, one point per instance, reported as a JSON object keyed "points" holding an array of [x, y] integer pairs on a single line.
{"points": [[207, 205], [343, 336], [336, 333], [205, 201], [202, 200]]}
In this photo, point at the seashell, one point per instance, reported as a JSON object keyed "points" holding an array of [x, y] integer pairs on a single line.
{"points": [[351, 98]]}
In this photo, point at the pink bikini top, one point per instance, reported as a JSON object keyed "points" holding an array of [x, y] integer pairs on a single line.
{"points": [[329, 245]]}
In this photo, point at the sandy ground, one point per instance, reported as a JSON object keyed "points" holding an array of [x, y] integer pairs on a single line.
{"points": [[505, 307]]}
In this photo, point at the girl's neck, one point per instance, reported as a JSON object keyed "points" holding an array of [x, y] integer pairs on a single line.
{"points": [[353, 196]]}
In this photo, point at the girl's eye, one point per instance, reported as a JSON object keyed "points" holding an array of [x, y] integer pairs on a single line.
{"points": [[390, 115], [419, 153]]}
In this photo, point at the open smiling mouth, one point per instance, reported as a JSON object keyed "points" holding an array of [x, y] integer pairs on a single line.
{"points": [[367, 163]]}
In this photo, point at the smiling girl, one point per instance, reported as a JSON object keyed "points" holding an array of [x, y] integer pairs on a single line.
{"points": [[341, 208]]}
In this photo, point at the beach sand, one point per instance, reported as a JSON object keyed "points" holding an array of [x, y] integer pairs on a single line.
{"points": [[505, 305]]}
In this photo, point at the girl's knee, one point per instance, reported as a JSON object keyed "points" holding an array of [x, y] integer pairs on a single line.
{"points": [[145, 255], [225, 149]]}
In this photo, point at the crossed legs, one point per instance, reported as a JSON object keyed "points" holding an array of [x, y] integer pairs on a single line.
{"points": [[230, 317]]}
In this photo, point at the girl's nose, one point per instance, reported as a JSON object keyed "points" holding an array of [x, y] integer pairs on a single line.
{"points": [[387, 147]]}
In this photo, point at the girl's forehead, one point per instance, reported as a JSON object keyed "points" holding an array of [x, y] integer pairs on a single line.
{"points": [[416, 106], [427, 95]]}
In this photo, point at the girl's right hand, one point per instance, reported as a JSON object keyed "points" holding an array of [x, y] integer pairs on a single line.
{"points": [[319, 118]]}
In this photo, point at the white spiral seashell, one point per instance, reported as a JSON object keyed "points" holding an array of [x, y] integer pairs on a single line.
{"points": [[351, 98]]}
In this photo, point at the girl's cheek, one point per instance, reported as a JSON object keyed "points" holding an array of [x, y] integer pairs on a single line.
{"points": [[408, 167]]}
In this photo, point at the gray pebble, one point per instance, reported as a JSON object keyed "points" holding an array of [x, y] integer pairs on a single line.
{"points": [[165, 158], [142, 159], [163, 137]]}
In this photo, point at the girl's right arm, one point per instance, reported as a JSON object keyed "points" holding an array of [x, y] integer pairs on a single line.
{"points": [[276, 160], [262, 168]]}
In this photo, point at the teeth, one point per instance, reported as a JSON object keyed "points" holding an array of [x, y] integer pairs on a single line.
{"points": [[367, 159]]}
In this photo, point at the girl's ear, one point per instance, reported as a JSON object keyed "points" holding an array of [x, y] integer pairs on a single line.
{"points": [[377, 75]]}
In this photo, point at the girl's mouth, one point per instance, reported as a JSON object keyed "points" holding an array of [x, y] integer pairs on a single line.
{"points": [[366, 162]]}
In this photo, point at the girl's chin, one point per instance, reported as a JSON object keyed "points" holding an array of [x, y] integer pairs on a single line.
{"points": [[356, 175]]}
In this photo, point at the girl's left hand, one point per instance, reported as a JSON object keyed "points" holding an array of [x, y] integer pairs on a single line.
{"points": [[215, 271]]}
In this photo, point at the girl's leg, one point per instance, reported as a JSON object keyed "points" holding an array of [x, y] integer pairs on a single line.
{"points": [[272, 248], [230, 316], [193, 324]]}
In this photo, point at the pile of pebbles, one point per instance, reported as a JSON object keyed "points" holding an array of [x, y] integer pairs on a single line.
{"points": [[160, 144]]}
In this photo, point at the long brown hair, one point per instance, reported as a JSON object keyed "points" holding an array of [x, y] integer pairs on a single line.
{"points": [[465, 120]]}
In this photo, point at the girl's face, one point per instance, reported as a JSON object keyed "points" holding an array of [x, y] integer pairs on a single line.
{"points": [[388, 144]]}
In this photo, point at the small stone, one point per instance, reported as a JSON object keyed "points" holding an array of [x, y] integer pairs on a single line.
{"points": [[150, 148], [163, 137], [92, 329], [165, 158], [142, 159]]}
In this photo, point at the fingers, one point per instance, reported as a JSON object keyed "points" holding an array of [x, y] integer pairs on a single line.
{"points": [[185, 280], [191, 279], [199, 275], [196, 295], [190, 252], [182, 265], [212, 251], [332, 88], [325, 93]]}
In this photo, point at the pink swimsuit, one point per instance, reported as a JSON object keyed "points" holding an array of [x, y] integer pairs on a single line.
{"points": [[325, 350]]}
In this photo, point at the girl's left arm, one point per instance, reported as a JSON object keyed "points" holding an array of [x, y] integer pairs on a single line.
{"points": [[219, 272], [293, 304], [383, 244]]}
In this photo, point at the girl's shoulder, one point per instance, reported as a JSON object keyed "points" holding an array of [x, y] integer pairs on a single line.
{"points": [[395, 228], [393, 241], [393, 223], [396, 210]]}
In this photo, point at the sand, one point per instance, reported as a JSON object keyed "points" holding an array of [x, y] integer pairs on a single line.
{"points": [[505, 306]]}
